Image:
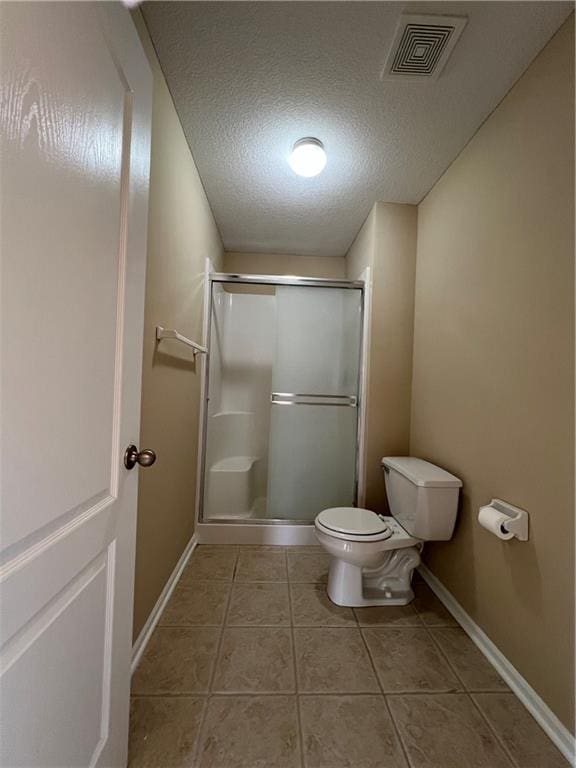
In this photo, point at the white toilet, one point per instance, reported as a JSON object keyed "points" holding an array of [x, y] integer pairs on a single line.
{"points": [[373, 556]]}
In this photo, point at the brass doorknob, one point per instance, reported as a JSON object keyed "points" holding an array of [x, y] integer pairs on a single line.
{"points": [[133, 456]]}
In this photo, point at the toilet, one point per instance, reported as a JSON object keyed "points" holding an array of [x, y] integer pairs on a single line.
{"points": [[373, 556]]}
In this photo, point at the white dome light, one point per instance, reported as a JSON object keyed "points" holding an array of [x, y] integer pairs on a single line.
{"points": [[308, 157]]}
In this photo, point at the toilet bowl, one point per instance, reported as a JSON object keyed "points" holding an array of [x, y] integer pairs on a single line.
{"points": [[373, 556]]}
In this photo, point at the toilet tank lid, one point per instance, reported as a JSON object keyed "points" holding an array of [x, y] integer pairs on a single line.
{"points": [[421, 473]]}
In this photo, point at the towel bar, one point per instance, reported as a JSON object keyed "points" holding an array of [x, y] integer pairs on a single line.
{"points": [[165, 333]]}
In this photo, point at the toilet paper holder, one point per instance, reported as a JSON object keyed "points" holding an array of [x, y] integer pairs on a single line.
{"points": [[518, 518]]}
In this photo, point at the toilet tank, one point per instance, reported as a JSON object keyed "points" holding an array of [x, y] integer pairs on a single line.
{"points": [[422, 497]]}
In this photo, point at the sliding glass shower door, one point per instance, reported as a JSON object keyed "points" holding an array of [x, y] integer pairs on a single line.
{"points": [[313, 422], [282, 404]]}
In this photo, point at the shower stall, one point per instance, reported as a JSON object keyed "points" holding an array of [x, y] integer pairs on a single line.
{"points": [[282, 397]]}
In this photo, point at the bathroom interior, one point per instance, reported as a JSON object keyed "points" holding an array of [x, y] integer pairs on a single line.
{"points": [[439, 326], [355, 545]]}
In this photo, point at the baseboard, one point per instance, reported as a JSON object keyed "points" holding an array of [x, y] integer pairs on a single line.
{"points": [[540, 711], [146, 632]]}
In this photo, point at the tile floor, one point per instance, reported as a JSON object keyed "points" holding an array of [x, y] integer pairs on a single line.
{"points": [[252, 666]]}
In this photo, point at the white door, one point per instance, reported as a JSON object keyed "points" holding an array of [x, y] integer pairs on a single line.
{"points": [[74, 163]]}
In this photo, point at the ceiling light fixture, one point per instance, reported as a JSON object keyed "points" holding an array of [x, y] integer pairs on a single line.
{"points": [[308, 157]]}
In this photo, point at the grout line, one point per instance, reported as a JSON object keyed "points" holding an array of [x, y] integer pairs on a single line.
{"points": [[376, 693], [258, 626], [419, 618], [393, 694], [190, 626], [207, 625], [391, 626], [302, 694], [170, 695], [386, 705], [233, 693], [467, 692], [298, 712], [443, 623], [446, 658], [492, 730], [440, 626], [466, 688], [409, 762], [197, 746], [180, 694]]}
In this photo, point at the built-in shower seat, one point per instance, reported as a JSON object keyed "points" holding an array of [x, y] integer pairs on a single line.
{"points": [[231, 486]]}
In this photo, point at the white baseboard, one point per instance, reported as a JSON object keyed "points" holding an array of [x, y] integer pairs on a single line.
{"points": [[146, 632], [540, 711]]}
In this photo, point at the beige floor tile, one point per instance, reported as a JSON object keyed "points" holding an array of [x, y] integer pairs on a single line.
{"points": [[407, 660], [254, 604], [311, 607], [201, 603], [309, 550], [330, 660], [177, 660], [261, 565], [470, 665], [445, 731], [255, 660], [210, 563], [388, 616], [250, 732], [349, 732], [305, 567], [430, 609], [164, 731], [519, 732]]}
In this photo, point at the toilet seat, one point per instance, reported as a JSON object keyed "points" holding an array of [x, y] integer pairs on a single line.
{"points": [[353, 524]]}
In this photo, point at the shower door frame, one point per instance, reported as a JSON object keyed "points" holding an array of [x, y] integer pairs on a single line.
{"points": [[272, 530]]}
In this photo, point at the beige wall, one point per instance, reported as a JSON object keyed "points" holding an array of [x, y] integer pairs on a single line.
{"points": [[387, 244], [493, 382], [181, 233], [281, 264], [361, 252]]}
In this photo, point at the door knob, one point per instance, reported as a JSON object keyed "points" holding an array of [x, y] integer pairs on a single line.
{"points": [[133, 456]]}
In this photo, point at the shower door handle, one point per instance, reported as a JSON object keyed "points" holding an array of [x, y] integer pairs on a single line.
{"points": [[294, 398]]}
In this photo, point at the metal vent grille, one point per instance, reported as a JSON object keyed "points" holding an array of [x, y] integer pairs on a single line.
{"points": [[422, 46]]}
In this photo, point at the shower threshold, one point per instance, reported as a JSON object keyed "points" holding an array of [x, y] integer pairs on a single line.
{"points": [[281, 533]]}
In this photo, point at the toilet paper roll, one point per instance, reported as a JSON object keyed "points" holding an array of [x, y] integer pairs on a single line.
{"points": [[493, 520]]}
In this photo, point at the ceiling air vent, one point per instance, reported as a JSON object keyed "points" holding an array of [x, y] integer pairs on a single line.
{"points": [[422, 45]]}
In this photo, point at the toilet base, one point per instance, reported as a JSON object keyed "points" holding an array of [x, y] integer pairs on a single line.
{"points": [[388, 584]]}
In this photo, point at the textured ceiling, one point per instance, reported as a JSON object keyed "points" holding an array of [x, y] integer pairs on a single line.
{"points": [[250, 78]]}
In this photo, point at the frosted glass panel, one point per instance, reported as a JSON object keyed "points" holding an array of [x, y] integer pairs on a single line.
{"points": [[311, 461], [312, 448], [317, 340]]}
